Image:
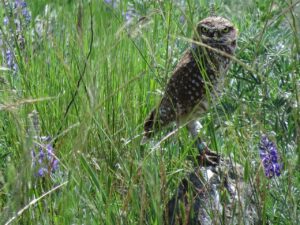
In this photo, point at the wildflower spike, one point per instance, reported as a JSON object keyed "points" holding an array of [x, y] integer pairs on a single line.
{"points": [[269, 157]]}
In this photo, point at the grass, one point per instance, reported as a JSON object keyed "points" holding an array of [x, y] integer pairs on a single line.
{"points": [[93, 78]]}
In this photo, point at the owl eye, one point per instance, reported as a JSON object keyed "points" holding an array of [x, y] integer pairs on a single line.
{"points": [[225, 30], [204, 30]]}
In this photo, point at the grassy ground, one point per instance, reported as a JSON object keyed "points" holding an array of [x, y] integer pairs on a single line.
{"points": [[93, 78]]}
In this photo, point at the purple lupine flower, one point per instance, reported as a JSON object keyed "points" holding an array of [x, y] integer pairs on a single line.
{"points": [[23, 4], [42, 172], [269, 156], [45, 162], [9, 57], [15, 22], [54, 165], [10, 60], [182, 19], [26, 14], [19, 4], [129, 14], [112, 3], [5, 21], [50, 153], [20, 11], [41, 155]]}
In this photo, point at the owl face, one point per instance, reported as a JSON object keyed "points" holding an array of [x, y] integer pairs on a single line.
{"points": [[217, 32]]}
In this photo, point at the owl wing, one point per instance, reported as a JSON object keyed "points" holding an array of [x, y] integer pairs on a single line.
{"points": [[185, 60], [185, 87], [183, 91]]}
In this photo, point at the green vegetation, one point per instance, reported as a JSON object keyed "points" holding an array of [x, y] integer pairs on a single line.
{"points": [[93, 74]]}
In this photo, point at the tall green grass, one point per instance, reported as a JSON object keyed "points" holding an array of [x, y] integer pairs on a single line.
{"points": [[94, 78]]}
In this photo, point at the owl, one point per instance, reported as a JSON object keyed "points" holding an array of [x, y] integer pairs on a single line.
{"points": [[196, 82]]}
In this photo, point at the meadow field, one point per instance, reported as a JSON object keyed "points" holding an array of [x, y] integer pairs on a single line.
{"points": [[78, 78]]}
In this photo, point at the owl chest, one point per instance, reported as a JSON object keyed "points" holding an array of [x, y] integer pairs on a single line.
{"points": [[217, 77], [193, 89], [209, 90]]}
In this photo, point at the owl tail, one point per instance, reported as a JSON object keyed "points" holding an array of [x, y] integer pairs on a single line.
{"points": [[149, 126]]}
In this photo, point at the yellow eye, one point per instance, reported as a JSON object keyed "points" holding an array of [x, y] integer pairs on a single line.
{"points": [[204, 30], [226, 30]]}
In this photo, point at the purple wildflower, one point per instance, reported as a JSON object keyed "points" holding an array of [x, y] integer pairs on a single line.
{"points": [[26, 15], [50, 153], [19, 11], [42, 172], [10, 60], [45, 162], [20, 4], [23, 4], [269, 156], [112, 3], [5, 21], [182, 19], [15, 22], [129, 14], [54, 165], [41, 155]]}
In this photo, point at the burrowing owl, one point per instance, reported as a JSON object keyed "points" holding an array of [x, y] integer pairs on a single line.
{"points": [[197, 80]]}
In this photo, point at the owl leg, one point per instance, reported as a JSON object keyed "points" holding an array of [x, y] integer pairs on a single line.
{"points": [[206, 156]]}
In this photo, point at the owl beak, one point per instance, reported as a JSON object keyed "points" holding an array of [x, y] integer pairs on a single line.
{"points": [[216, 36]]}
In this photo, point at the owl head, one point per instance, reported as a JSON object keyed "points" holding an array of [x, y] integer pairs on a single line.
{"points": [[217, 32]]}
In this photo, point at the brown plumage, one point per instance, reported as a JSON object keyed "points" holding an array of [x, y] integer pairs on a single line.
{"points": [[197, 79]]}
